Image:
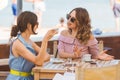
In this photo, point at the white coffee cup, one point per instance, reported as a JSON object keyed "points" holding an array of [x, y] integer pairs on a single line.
{"points": [[86, 57]]}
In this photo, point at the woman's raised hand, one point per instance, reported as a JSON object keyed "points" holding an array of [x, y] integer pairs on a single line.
{"points": [[50, 34]]}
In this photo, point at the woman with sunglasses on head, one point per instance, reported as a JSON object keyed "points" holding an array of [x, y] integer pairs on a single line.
{"points": [[78, 39], [24, 53]]}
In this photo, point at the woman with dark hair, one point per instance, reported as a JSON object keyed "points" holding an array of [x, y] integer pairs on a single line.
{"points": [[24, 53], [78, 40]]}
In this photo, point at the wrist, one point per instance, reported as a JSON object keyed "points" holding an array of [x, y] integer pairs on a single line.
{"points": [[74, 55], [44, 40]]}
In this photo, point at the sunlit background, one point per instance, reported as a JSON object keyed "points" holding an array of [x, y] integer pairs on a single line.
{"points": [[100, 12]]}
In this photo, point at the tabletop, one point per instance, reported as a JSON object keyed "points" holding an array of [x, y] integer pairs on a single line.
{"points": [[49, 69]]}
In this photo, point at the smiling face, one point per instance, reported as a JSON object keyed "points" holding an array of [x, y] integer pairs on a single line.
{"points": [[78, 22], [71, 20]]}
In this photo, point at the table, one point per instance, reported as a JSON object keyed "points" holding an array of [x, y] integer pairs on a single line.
{"points": [[49, 69]]}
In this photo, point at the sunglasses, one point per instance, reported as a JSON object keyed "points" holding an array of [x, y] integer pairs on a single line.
{"points": [[72, 19]]}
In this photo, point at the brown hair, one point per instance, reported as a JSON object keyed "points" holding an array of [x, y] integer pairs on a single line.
{"points": [[23, 19], [83, 25]]}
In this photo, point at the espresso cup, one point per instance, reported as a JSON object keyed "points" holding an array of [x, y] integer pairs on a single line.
{"points": [[86, 57]]}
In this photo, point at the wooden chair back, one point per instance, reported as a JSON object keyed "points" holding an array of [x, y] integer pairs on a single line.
{"points": [[98, 73]]}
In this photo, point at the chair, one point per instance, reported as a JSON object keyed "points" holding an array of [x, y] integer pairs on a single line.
{"points": [[98, 73], [56, 54], [3, 75], [102, 47], [55, 49]]}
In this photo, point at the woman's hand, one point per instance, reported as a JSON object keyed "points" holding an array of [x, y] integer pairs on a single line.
{"points": [[77, 51], [104, 56], [50, 34]]}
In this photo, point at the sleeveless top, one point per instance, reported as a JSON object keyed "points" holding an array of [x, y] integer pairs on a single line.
{"points": [[19, 63]]}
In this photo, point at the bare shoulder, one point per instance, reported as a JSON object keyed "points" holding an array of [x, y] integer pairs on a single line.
{"points": [[17, 44], [65, 33], [16, 47]]}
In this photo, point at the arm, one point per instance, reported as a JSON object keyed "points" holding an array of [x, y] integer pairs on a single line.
{"points": [[61, 47], [93, 46], [37, 49], [76, 51], [61, 51], [42, 52], [94, 50], [19, 49]]}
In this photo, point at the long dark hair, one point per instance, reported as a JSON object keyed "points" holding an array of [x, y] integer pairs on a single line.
{"points": [[83, 25], [23, 19]]}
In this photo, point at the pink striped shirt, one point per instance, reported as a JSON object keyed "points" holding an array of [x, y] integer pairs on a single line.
{"points": [[66, 44]]}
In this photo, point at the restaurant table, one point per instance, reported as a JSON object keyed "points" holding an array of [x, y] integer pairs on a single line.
{"points": [[49, 69]]}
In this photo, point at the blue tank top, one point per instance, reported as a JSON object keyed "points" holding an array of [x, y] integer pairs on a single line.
{"points": [[20, 63]]}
